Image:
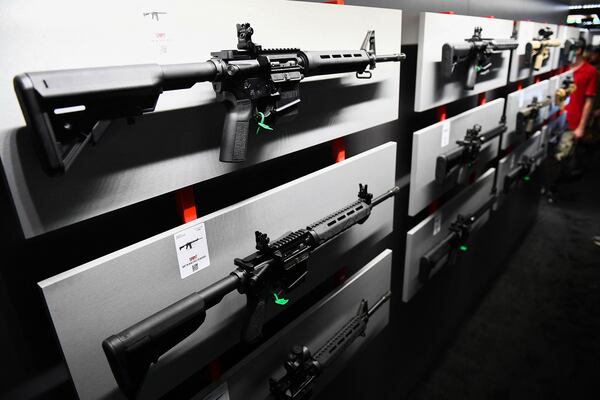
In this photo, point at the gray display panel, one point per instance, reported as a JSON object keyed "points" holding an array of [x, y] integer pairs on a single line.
{"points": [[107, 295], [249, 379], [526, 32], [178, 145], [517, 100], [508, 163], [432, 229], [435, 29], [430, 142]]}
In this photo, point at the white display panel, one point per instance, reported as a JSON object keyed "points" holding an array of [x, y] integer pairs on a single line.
{"points": [[93, 301], [434, 228], [179, 145], [517, 100], [432, 89], [526, 32], [249, 379], [430, 142]]}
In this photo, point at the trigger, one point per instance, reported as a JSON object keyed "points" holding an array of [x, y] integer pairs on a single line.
{"points": [[261, 123]]}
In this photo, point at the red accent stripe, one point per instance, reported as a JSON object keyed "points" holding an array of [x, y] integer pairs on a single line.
{"points": [[441, 113], [341, 275], [481, 100], [338, 149], [214, 370], [432, 207], [335, 2], [448, 12], [186, 204]]}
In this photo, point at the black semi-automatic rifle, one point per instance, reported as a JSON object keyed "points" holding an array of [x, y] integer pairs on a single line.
{"points": [[303, 367], [477, 52], [448, 164], [538, 50], [522, 172], [256, 85], [567, 53], [454, 241], [188, 245], [527, 116], [274, 270], [564, 91]]}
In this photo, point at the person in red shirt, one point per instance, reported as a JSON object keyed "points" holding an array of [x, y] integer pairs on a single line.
{"points": [[565, 164], [582, 99]]}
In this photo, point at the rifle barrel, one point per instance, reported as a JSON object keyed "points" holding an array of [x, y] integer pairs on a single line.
{"points": [[390, 57], [390, 193], [379, 303], [492, 133]]}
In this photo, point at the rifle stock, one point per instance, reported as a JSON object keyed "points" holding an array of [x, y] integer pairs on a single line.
{"points": [[131, 352]]}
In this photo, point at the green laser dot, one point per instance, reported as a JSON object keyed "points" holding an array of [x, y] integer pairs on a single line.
{"points": [[463, 248], [282, 301], [526, 178]]}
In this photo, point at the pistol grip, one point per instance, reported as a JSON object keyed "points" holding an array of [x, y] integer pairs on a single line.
{"points": [[471, 74], [235, 131], [538, 60], [447, 60], [255, 319]]}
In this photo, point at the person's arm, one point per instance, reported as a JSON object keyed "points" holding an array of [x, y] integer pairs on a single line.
{"points": [[585, 114], [590, 93]]}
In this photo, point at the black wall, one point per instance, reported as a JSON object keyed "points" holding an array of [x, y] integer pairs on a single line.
{"points": [[32, 362]]}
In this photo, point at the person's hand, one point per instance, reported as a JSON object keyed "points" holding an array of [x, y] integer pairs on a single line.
{"points": [[578, 132]]}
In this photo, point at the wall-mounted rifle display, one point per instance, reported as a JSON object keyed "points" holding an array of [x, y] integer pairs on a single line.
{"points": [[455, 241], [538, 50], [303, 367], [66, 108], [527, 116], [269, 274], [477, 52], [522, 172], [449, 164], [564, 91]]}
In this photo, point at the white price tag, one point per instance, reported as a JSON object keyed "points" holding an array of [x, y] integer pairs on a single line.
{"points": [[437, 224], [220, 393], [445, 134], [192, 250]]}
